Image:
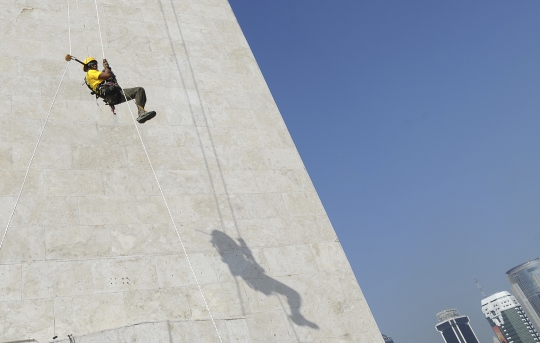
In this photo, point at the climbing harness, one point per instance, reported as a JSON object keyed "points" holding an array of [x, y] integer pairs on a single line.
{"points": [[109, 91]]}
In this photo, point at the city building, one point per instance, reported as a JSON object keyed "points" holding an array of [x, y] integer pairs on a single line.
{"points": [[455, 328], [525, 281], [387, 339], [508, 320]]}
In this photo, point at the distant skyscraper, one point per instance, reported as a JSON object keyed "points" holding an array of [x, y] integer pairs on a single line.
{"points": [[508, 320], [455, 328], [525, 281], [387, 339]]}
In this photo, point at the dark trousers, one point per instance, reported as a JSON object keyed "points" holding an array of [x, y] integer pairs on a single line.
{"points": [[137, 93]]}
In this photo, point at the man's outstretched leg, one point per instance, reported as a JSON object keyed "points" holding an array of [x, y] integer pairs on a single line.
{"points": [[139, 95]]}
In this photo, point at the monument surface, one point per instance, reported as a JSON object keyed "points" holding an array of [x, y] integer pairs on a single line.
{"points": [[92, 250]]}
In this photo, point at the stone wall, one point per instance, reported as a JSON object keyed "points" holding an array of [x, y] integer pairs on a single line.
{"points": [[92, 249]]}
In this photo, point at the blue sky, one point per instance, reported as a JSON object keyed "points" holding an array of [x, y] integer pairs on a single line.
{"points": [[419, 124]]}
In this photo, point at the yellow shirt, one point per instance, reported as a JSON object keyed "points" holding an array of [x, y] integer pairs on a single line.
{"points": [[92, 78]]}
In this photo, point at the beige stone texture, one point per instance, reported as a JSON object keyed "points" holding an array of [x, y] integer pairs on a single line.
{"points": [[91, 249]]}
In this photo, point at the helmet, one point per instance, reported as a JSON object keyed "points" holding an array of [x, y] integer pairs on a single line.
{"points": [[86, 61]]}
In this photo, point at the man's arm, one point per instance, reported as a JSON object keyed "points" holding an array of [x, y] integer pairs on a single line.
{"points": [[107, 73]]}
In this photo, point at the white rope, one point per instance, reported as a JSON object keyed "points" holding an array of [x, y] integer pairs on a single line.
{"points": [[162, 194], [69, 27], [99, 27], [32, 158]]}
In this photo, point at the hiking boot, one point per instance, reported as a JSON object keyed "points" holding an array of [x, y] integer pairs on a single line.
{"points": [[144, 116]]}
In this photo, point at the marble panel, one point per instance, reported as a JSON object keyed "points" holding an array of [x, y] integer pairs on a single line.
{"points": [[173, 271], [284, 159], [77, 242], [193, 208], [118, 135], [238, 331], [269, 327], [170, 136], [116, 275], [177, 182], [11, 182], [143, 239], [350, 286], [309, 229], [330, 256], [74, 182], [100, 157], [215, 99], [85, 111], [198, 332], [197, 159], [212, 11], [261, 138], [19, 130], [289, 260], [263, 232], [23, 244], [6, 155], [147, 333], [162, 158], [325, 329], [227, 25], [329, 291], [158, 304], [234, 118], [235, 181], [303, 204], [90, 313], [48, 156], [286, 138], [356, 321], [197, 236], [32, 108], [63, 132], [152, 209], [46, 211], [242, 265], [108, 336], [8, 64], [282, 180], [204, 267], [71, 278], [226, 300], [221, 137], [50, 279], [26, 319], [124, 182], [260, 205], [10, 282], [107, 210], [267, 119]]}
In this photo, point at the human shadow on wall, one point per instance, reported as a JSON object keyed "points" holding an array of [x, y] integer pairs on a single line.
{"points": [[241, 262]]}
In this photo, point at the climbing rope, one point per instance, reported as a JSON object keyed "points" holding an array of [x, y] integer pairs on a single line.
{"points": [[99, 27], [163, 195], [69, 27]]}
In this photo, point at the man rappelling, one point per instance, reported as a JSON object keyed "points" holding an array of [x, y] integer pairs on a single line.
{"points": [[104, 85]]}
